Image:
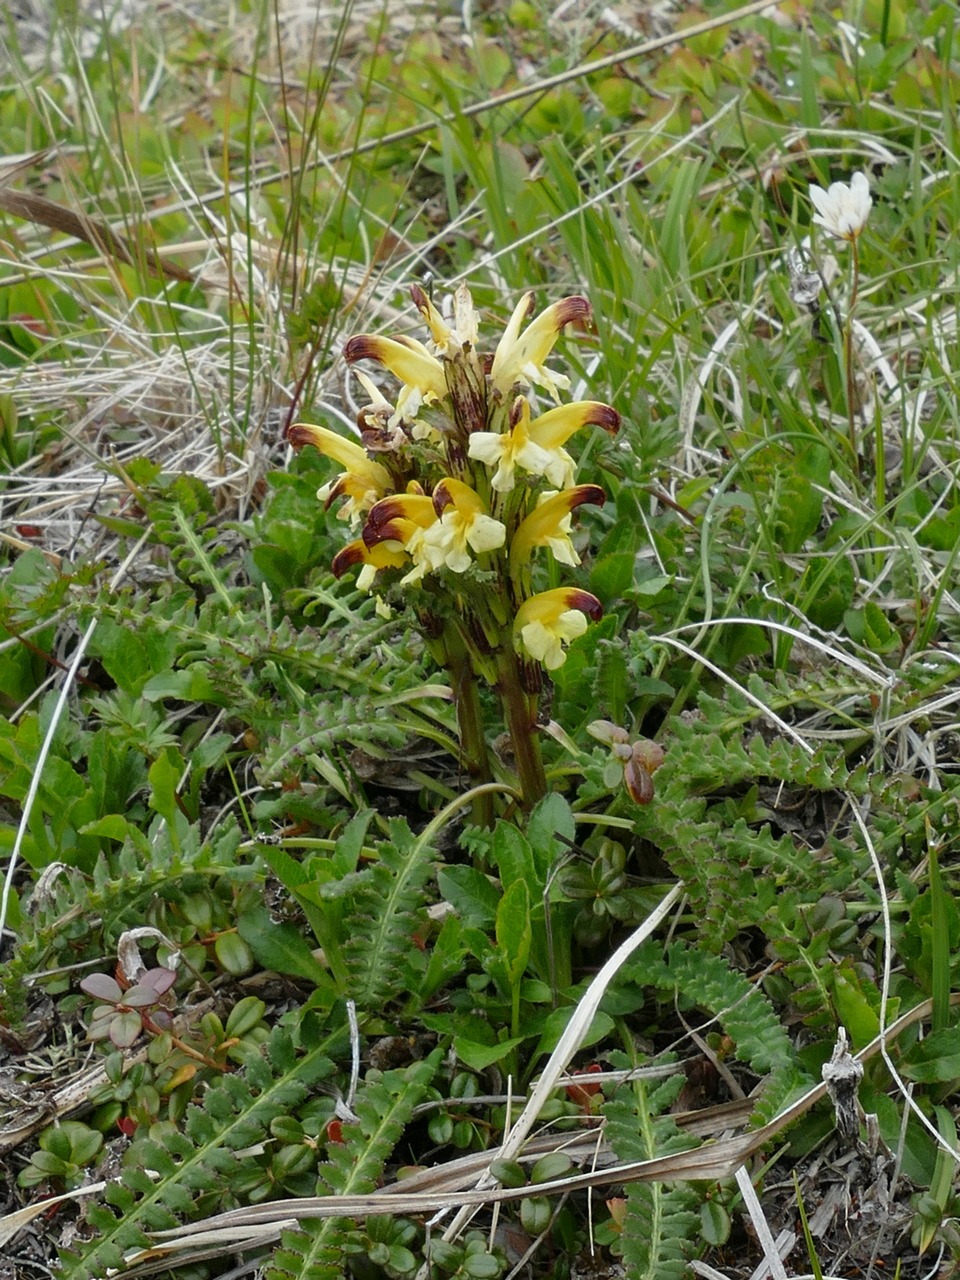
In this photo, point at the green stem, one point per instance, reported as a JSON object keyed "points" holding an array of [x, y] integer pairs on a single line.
{"points": [[474, 756], [848, 360], [520, 716]]}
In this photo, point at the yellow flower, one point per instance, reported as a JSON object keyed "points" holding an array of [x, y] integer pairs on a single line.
{"points": [[464, 522], [382, 555], [362, 483], [403, 519], [548, 621], [447, 340], [407, 359], [520, 356], [548, 525], [537, 446]]}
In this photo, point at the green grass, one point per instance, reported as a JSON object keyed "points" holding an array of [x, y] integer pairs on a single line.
{"points": [[207, 736]]}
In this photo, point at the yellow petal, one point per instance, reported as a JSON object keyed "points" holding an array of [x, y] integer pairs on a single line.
{"points": [[545, 522], [406, 359], [522, 354], [548, 621], [555, 427]]}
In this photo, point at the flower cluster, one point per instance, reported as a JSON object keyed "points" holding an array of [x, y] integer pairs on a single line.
{"points": [[456, 484], [457, 488]]}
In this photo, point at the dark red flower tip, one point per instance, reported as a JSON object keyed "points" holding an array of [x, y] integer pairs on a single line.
{"points": [[362, 346], [346, 558], [586, 603], [591, 493], [606, 416]]}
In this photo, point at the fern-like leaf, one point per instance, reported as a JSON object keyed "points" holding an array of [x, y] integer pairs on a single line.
{"points": [[661, 1221], [317, 1250], [327, 727], [237, 1112], [743, 1011], [385, 901]]}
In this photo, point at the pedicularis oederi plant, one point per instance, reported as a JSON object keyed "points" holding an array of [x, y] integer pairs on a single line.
{"points": [[459, 489]]}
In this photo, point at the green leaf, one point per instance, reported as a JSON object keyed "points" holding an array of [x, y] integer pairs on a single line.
{"points": [[123, 655], [190, 684], [244, 1016], [446, 958], [513, 854], [350, 843], [714, 1223], [611, 681], [234, 954], [481, 1266], [879, 634], [278, 945], [165, 774], [612, 576], [856, 1011], [210, 751], [827, 589], [472, 895], [796, 515], [291, 873], [935, 1059], [480, 1056], [550, 831], [514, 932], [556, 1024], [113, 827]]}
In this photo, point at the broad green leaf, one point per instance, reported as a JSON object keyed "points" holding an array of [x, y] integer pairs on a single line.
{"points": [[480, 1056], [556, 1024], [278, 945], [190, 684], [112, 827], [935, 1059], [514, 932], [472, 895], [514, 856]]}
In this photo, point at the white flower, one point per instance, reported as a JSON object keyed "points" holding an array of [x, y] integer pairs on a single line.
{"points": [[843, 210]]}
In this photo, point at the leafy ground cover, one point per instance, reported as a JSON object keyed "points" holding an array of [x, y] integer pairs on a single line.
{"points": [[479, 887]]}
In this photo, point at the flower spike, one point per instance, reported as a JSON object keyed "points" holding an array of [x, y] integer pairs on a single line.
{"points": [[458, 476]]}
